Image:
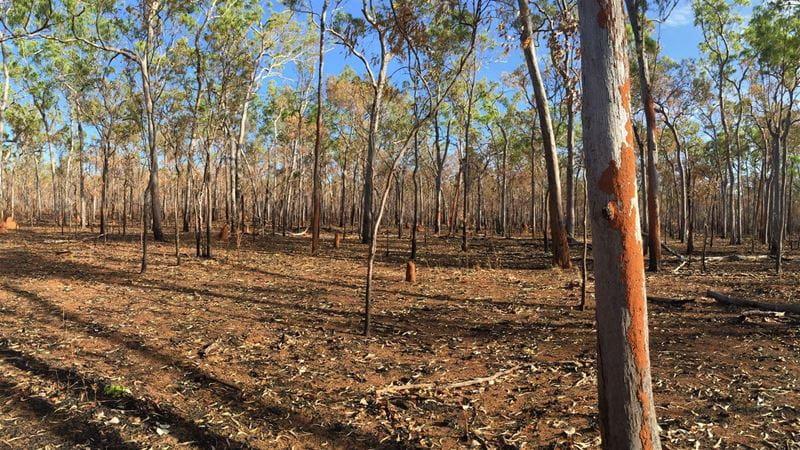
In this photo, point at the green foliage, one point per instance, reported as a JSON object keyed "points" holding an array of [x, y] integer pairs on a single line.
{"points": [[116, 391], [774, 37]]}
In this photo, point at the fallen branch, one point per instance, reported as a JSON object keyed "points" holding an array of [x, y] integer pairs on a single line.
{"points": [[69, 241], [300, 233], [672, 252], [732, 301], [675, 270], [736, 257], [759, 313], [434, 387]]}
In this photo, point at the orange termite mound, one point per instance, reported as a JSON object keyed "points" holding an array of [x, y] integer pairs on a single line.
{"points": [[411, 272], [337, 240], [10, 223], [224, 234]]}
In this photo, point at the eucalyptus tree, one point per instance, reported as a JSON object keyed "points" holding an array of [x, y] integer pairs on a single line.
{"points": [[139, 34], [440, 151], [637, 15], [318, 134], [627, 411], [22, 19], [719, 22], [774, 39], [110, 113], [353, 33], [77, 67], [5, 103], [24, 142], [460, 23], [347, 105], [255, 44], [470, 79], [561, 22], [675, 103], [315, 191], [192, 74], [557, 226], [38, 81]]}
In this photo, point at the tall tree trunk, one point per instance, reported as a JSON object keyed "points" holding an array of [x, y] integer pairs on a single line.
{"points": [[4, 104], [104, 189], [81, 177], [635, 8], [504, 187], [315, 220], [372, 138], [465, 166], [415, 219], [557, 228], [627, 412], [153, 185], [570, 218], [532, 217], [441, 156]]}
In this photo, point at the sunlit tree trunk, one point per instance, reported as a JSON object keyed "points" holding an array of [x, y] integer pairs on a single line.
{"points": [[315, 220], [627, 412], [557, 227], [635, 8]]}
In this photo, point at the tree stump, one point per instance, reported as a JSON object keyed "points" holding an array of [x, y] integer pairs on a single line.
{"points": [[337, 240]]}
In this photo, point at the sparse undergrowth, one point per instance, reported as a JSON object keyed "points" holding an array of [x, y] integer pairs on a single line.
{"points": [[261, 348]]}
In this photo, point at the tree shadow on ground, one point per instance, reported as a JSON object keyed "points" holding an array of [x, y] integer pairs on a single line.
{"points": [[83, 386], [233, 396]]}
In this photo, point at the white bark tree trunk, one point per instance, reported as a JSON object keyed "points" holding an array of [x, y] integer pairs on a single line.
{"points": [[627, 413]]}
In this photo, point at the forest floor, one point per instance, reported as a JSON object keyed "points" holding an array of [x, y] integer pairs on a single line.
{"points": [[261, 348]]}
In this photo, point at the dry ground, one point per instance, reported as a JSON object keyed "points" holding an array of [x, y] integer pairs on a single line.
{"points": [[260, 348]]}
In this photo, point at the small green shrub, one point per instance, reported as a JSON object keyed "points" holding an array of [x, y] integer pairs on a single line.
{"points": [[116, 391]]}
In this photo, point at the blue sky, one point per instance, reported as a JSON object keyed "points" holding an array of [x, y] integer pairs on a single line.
{"points": [[678, 35]]}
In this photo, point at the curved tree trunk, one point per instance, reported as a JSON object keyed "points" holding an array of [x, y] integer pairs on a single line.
{"points": [[557, 227]]}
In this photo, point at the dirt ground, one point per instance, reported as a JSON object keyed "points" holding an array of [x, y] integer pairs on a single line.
{"points": [[261, 348]]}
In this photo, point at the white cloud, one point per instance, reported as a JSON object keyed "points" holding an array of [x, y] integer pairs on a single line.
{"points": [[681, 16]]}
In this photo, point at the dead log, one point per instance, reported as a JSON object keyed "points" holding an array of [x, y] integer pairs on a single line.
{"points": [[669, 301], [735, 257], [302, 233], [675, 270], [732, 301], [71, 241], [760, 313], [672, 252]]}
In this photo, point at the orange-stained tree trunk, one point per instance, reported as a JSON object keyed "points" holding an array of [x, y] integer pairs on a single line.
{"points": [[558, 228], [627, 414]]}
